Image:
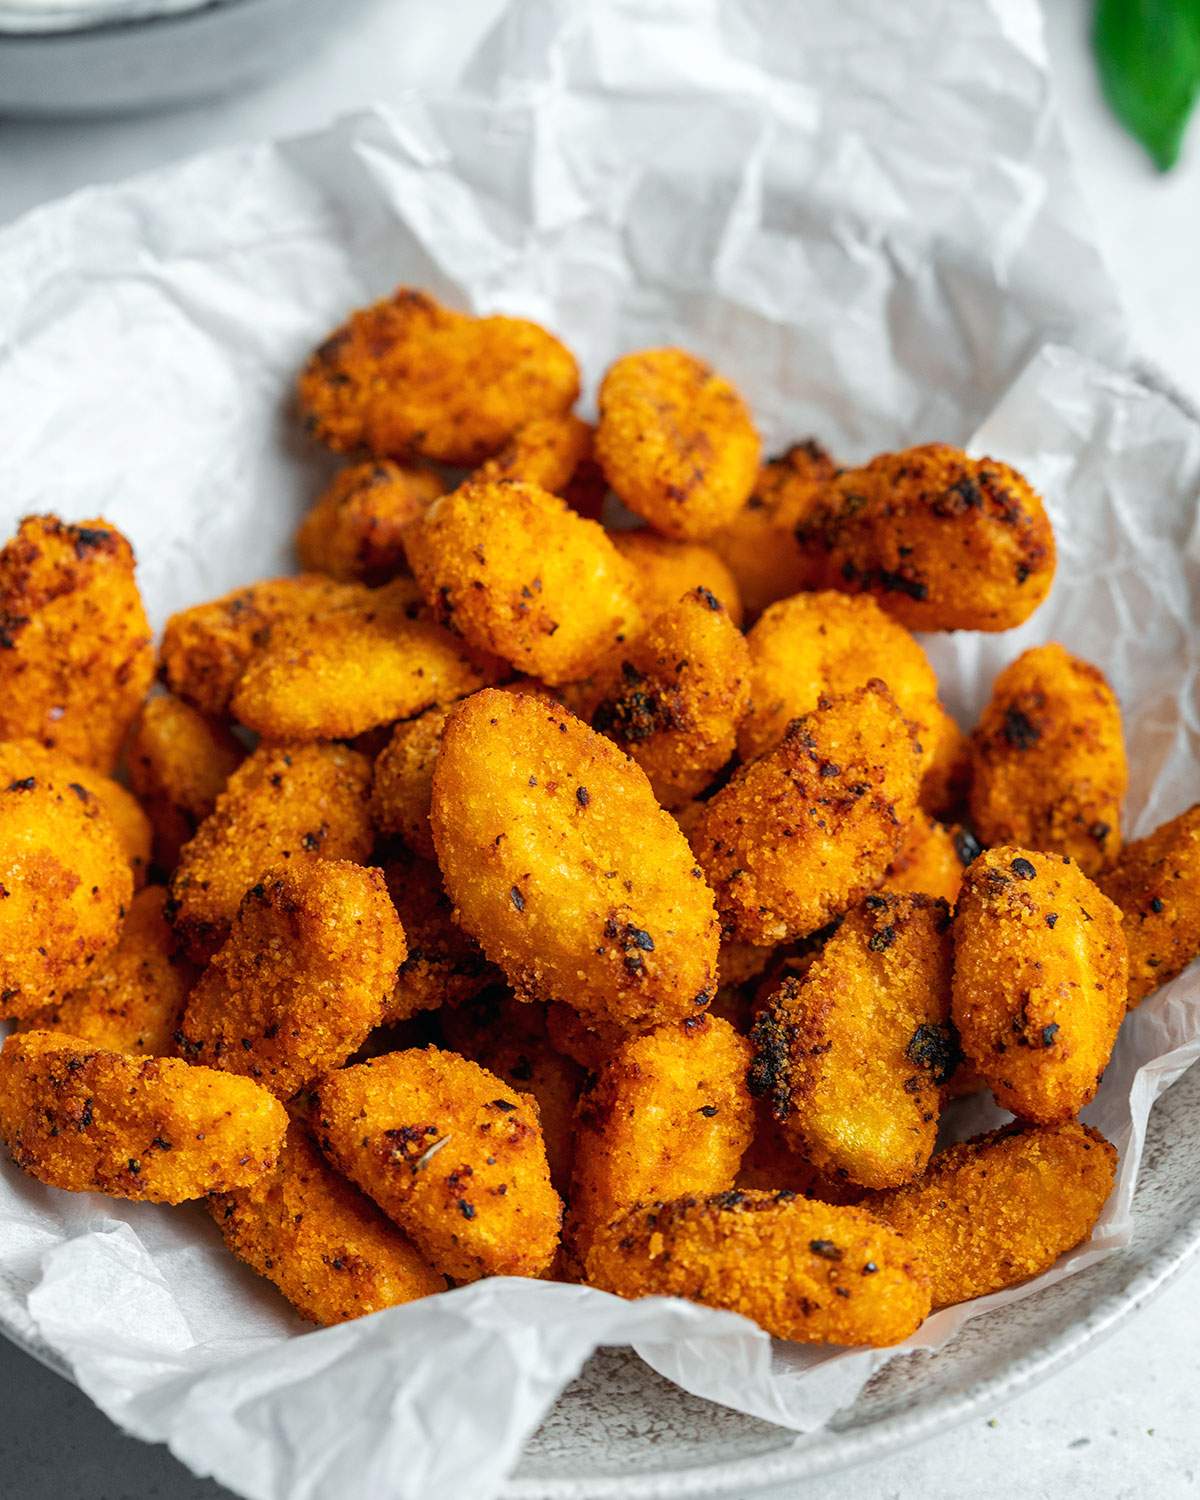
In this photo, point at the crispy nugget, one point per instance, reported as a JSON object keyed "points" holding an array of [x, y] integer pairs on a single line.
{"points": [[1048, 760], [75, 647], [813, 1273], [179, 762], [1156, 884], [407, 377], [560, 862], [668, 1114], [1040, 979], [508, 1038], [930, 859], [445, 965], [355, 530], [852, 1055], [324, 1244], [65, 886], [303, 977], [942, 541], [205, 649], [516, 572], [355, 668], [802, 833], [452, 1154], [664, 570], [826, 645], [676, 442], [545, 451], [133, 996], [151, 1128], [947, 778], [284, 802], [674, 697], [759, 544], [996, 1210]]}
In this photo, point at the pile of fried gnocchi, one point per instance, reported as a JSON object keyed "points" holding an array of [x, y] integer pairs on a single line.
{"points": [[509, 895]]}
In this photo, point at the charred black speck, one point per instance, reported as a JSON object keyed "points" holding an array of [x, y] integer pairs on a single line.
{"points": [[898, 583], [1157, 904], [936, 1048], [90, 539], [1100, 831], [25, 784], [769, 1074], [85, 1115], [505, 1104], [708, 1111], [1022, 868], [967, 846], [516, 898], [466, 1209], [1019, 730], [826, 1249], [1051, 918], [880, 941], [582, 796]]}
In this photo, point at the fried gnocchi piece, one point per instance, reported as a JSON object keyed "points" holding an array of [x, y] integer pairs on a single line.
{"points": [[942, 541], [759, 544], [947, 778], [66, 885], [802, 833], [673, 699], [668, 1114], [284, 802], [676, 442], [133, 995], [445, 965], [515, 571], [813, 1273], [508, 1038], [75, 646], [546, 452], [664, 570], [151, 1128], [178, 762], [1156, 884], [21, 758], [826, 645], [1001, 1208], [929, 860], [303, 977], [355, 530], [852, 1056], [1040, 979], [355, 668], [452, 1154], [205, 649], [562, 865], [1048, 760], [324, 1244], [407, 377]]}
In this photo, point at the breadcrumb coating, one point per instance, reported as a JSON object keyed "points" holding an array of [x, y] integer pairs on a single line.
{"points": [[452, 1154], [1156, 884], [1001, 1208], [66, 887], [802, 833], [676, 442], [809, 1272], [930, 859], [515, 571], [75, 646], [355, 530], [562, 865], [150, 1128], [133, 996], [283, 803], [1040, 980], [942, 541], [947, 779], [1048, 760], [665, 570], [546, 451], [408, 377], [772, 1165], [826, 645], [445, 965], [589, 1042]]}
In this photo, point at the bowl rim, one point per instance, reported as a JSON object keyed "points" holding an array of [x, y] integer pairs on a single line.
{"points": [[108, 26]]}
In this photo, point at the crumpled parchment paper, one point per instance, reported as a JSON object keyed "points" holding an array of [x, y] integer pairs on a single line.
{"points": [[864, 215]]}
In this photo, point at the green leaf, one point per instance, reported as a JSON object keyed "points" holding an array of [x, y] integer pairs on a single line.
{"points": [[1149, 57]]}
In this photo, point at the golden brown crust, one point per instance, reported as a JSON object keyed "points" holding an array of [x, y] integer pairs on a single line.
{"points": [[445, 965], [931, 859], [802, 833], [75, 646], [1040, 979], [773, 1165], [283, 803], [355, 530], [947, 779], [546, 451], [1048, 760], [664, 570], [943, 541], [1156, 884], [1001, 1208], [811, 1272], [452, 1154], [676, 442], [324, 1244], [560, 862], [152, 1128]]}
